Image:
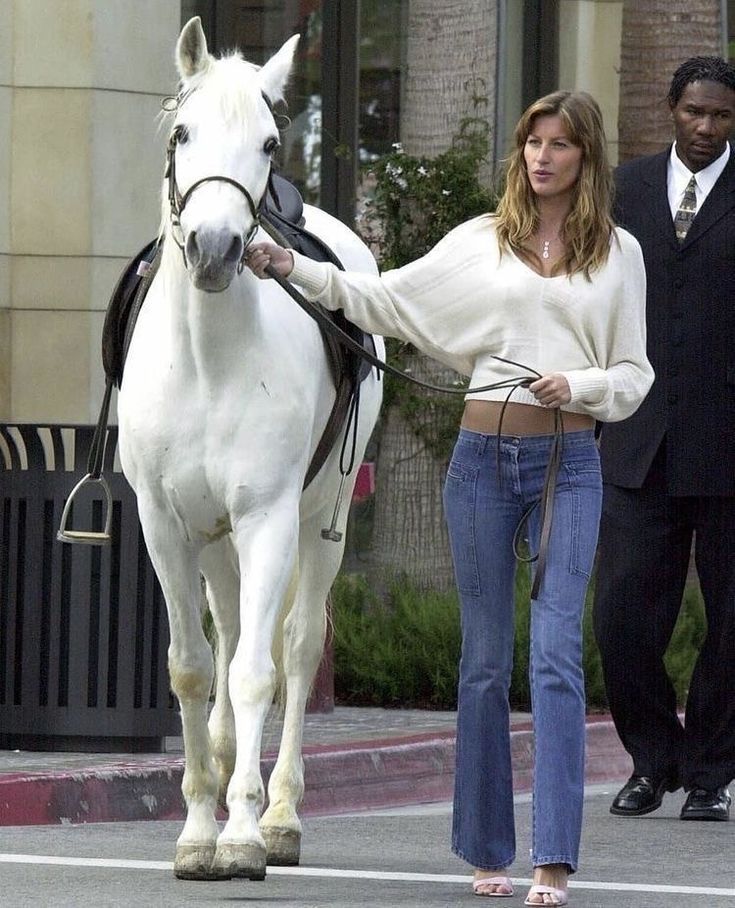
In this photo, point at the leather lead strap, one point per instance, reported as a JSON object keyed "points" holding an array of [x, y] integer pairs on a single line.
{"points": [[552, 469], [99, 439], [546, 502]]}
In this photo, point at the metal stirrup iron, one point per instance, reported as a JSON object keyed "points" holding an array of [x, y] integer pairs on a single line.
{"points": [[94, 475]]}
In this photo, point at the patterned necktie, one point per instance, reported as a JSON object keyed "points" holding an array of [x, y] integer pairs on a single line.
{"points": [[687, 210]]}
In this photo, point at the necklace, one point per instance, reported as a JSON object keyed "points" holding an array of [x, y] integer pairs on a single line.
{"points": [[545, 250]]}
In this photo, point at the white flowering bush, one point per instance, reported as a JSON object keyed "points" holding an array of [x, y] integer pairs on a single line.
{"points": [[411, 202]]}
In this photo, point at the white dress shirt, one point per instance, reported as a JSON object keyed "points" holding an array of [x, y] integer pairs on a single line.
{"points": [[679, 176]]}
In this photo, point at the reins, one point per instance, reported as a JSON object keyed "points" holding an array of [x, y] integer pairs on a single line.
{"points": [[547, 496], [177, 203]]}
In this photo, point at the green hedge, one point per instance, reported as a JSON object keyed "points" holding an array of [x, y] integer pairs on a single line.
{"points": [[404, 652]]}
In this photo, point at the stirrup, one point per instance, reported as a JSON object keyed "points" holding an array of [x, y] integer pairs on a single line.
{"points": [[87, 537]]}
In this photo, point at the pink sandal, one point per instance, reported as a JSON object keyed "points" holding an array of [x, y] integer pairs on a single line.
{"points": [[560, 896], [504, 881]]}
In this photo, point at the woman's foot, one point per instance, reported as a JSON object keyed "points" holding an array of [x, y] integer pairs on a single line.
{"points": [[549, 885], [492, 883]]}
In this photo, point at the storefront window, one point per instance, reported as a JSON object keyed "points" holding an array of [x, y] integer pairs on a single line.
{"points": [[258, 31], [381, 53]]}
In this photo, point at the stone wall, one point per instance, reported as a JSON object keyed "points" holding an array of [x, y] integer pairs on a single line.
{"points": [[81, 162]]}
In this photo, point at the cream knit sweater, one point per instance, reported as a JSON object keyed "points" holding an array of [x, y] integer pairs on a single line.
{"points": [[463, 302]]}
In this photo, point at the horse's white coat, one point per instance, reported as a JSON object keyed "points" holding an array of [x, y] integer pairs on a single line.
{"points": [[224, 399]]}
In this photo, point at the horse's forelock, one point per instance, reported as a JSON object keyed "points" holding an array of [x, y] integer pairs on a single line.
{"points": [[230, 87]]}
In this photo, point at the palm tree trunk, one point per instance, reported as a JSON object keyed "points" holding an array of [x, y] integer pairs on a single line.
{"points": [[450, 64], [657, 36]]}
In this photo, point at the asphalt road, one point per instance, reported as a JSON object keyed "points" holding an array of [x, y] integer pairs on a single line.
{"points": [[387, 859]]}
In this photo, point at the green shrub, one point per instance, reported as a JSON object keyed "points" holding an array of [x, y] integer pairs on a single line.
{"points": [[404, 652]]}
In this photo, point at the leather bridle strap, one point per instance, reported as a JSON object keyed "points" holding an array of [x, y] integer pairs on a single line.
{"points": [[322, 319], [552, 469], [547, 509], [177, 202]]}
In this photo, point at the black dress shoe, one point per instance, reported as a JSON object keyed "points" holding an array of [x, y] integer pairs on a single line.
{"points": [[639, 795], [707, 805]]}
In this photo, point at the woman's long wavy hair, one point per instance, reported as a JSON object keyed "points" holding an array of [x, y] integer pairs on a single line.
{"points": [[588, 227]]}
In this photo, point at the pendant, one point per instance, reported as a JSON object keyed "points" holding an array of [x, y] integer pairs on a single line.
{"points": [[545, 250]]}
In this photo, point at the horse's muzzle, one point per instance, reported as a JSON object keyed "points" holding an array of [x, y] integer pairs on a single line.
{"points": [[212, 258]]}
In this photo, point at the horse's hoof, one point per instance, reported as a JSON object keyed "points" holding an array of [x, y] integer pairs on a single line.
{"points": [[283, 846], [232, 859], [194, 862]]}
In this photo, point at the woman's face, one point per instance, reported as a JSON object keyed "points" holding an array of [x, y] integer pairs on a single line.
{"points": [[553, 162]]}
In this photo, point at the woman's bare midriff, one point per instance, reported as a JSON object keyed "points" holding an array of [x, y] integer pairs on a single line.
{"points": [[518, 419]]}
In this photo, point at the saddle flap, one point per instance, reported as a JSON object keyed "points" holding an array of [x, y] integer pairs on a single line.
{"points": [[117, 318]]}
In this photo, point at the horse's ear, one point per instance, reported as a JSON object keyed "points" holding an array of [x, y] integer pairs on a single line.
{"points": [[192, 55], [274, 74]]}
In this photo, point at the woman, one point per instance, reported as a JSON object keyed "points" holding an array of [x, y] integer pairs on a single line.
{"points": [[550, 283]]}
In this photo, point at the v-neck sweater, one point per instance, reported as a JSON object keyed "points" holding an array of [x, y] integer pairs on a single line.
{"points": [[465, 302]]}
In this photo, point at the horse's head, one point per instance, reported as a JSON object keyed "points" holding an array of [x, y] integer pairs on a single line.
{"points": [[219, 154]]}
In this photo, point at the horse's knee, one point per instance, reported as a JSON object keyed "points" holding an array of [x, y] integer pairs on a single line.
{"points": [[251, 686], [191, 684]]}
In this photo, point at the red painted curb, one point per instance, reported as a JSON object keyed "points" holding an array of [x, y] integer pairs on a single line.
{"points": [[339, 779]]}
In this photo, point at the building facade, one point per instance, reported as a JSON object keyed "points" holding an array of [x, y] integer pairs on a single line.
{"points": [[81, 158]]}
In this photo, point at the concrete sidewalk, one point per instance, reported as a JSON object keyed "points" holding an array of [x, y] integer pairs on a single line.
{"points": [[355, 759]]}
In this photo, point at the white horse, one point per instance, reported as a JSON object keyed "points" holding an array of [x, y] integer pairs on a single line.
{"points": [[225, 395]]}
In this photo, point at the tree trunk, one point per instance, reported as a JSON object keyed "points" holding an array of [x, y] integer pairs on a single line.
{"points": [[409, 531], [657, 36], [450, 61], [450, 69]]}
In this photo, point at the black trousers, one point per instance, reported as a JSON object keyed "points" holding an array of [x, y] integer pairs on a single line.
{"points": [[645, 543]]}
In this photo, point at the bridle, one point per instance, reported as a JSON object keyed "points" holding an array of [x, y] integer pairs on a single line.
{"points": [[178, 201]]}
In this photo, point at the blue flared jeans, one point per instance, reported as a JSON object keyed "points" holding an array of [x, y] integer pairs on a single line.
{"points": [[490, 483]]}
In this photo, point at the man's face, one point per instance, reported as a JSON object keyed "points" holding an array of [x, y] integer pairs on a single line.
{"points": [[703, 118]]}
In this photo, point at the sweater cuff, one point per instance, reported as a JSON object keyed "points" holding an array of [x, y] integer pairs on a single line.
{"points": [[311, 276], [587, 385]]}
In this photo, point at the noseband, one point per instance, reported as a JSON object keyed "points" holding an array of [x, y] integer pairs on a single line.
{"points": [[178, 201]]}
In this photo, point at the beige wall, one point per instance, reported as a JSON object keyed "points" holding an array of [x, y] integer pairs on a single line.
{"points": [[589, 55], [81, 161]]}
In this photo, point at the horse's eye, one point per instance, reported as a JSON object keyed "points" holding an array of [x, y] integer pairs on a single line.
{"points": [[182, 134], [271, 145]]}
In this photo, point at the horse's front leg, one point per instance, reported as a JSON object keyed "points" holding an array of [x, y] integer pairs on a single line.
{"points": [[218, 563], [191, 671], [267, 553]]}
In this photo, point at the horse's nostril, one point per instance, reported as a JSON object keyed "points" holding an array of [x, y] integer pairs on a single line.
{"points": [[193, 253], [235, 250]]}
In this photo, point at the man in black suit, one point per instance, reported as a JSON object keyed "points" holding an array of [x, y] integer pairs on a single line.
{"points": [[669, 470]]}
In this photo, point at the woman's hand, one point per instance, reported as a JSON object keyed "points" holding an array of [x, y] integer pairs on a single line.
{"points": [[551, 390], [262, 254]]}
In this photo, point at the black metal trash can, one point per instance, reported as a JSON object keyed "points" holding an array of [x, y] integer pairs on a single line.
{"points": [[83, 629]]}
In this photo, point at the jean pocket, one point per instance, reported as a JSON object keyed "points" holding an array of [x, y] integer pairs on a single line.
{"points": [[585, 487], [460, 489]]}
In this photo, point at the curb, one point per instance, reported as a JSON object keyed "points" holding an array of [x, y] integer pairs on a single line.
{"points": [[339, 779]]}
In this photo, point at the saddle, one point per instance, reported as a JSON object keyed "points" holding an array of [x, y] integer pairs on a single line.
{"points": [[282, 214]]}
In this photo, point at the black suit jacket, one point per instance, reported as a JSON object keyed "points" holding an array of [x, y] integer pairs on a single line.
{"points": [[690, 319]]}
